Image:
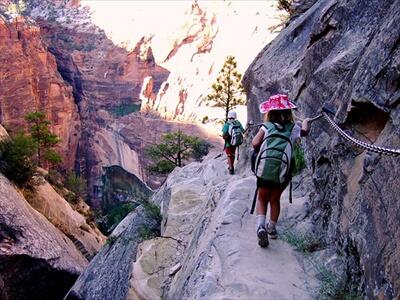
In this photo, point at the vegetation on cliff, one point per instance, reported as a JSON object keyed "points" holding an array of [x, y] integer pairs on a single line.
{"points": [[16, 159], [175, 150]]}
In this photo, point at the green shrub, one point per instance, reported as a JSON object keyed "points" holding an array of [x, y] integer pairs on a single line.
{"points": [[124, 109], [76, 184], [115, 216], [146, 233], [299, 160], [303, 241], [331, 286], [71, 198], [16, 159], [161, 167], [201, 149], [53, 157], [111, 240], [55, 179], [152, 209]]}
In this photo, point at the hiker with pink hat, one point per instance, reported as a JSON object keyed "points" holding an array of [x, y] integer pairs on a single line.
{"points": [[274, 162]]}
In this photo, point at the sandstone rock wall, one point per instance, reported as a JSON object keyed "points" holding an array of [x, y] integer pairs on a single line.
{"points": [[59, 212], [29, 81], [345, 55]]}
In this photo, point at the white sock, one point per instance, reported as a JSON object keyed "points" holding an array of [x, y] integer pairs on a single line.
{"points": [[260, 221], [271, 224]]}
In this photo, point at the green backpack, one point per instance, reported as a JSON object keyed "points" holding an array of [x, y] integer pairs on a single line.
{"points": [[236, 134], [274, 161]]}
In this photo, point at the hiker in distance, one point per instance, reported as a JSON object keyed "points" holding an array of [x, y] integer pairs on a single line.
{"points": [[274, 143], [232, 132]]}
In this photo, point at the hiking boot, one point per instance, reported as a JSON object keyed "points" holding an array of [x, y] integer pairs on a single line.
{"points": [[231, 171], [273, 234], [262, 237]]}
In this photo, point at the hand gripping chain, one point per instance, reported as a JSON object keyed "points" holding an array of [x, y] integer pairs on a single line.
{"points": [[358, 143]]}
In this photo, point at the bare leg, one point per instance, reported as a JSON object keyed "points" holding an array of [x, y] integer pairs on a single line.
{"points": [[231, 161], [261, 210], [275, 204], [262, 201]]}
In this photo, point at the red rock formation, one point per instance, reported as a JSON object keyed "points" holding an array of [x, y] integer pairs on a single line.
{"points": [[30, 82], [107, 82]]}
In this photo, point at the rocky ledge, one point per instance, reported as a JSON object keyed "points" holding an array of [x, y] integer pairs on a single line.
{"points": [[36, 260], [207, 249]]}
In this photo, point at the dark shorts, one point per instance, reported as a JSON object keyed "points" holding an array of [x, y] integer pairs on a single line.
{"points": [[230, 151], [261, 183]]}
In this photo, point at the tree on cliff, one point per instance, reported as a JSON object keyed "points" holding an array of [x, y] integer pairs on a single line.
{"points": [[175, 149], [44, 139], [227, 91], [16, 159]]}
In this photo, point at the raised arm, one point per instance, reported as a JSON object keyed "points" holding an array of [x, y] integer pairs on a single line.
{"points": [[257, 140], [305, 127]]}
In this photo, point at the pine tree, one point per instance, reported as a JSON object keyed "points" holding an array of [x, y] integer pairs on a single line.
{"points": [[44, 139], [228, 91], [174, 150]]}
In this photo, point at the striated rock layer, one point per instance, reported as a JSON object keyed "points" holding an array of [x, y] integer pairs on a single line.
{"points": [[29, 81], [346, 55]]}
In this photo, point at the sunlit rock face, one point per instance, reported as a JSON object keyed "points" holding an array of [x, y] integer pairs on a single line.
{"points": [[106, 82], [164, 69], [191, 40], [30, 82], [207, 248], [345, 55]]}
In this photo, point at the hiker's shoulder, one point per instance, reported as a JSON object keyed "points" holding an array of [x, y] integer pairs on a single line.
{"points": [[267, 125]]}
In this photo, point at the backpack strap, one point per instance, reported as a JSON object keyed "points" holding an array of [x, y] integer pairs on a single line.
{"points": [[253, 206]]}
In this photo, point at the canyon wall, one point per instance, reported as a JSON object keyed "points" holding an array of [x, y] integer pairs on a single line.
{"points": [[45, 242], [345, 55], [29, 81]]}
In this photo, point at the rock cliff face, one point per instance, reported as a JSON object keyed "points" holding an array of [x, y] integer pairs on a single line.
{"points": [[36, 260], [44, 242], [345, 55], [207, 248], [29, 81], [209, 32]]}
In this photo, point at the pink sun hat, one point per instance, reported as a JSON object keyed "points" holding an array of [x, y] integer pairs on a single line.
{"points": [[276, 102]]}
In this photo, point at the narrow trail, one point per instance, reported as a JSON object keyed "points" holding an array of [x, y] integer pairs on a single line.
{"points": [[247, 271]]}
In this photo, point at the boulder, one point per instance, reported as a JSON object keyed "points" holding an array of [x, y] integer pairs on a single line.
{"points": [[109, 273]]}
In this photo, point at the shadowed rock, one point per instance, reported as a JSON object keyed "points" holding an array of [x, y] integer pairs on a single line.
{"points": [[36, 260], [345, 54], [108, 274]]}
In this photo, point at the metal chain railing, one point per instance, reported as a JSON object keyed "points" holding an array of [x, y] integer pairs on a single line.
{"points": [[358, 143]]}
